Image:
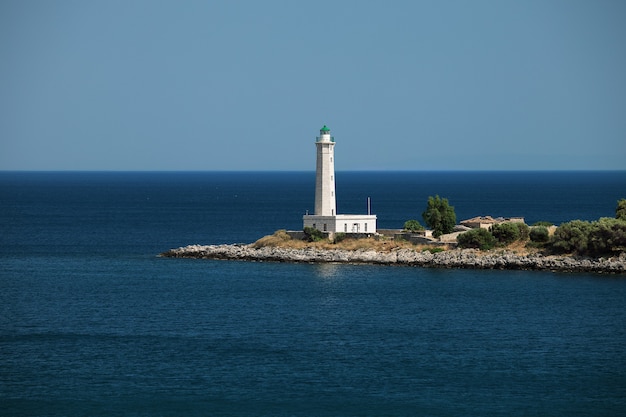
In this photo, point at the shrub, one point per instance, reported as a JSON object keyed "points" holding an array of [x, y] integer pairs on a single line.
{"points": [[505, 233], [543, 223], [476, 238], [312, 234], [539, 234], [572, 237], [620, 210], [604, 236], [607, 235], [339, 237], [524, 230], [413, 226]]}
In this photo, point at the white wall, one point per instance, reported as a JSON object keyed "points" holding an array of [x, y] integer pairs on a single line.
{"points": [[343, 223]]}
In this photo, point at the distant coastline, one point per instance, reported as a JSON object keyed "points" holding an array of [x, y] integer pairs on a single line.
{"points": [[453, 258]]}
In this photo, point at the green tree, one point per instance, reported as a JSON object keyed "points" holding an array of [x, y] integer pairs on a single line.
{"points": [[505, 233], [572, 237], [607, 235], [524, 230], [539, 234], [439, 216], [620, 210], [476, 238], [604, 236], [413, 226]]}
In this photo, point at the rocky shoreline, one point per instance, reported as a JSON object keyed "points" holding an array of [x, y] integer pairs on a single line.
{"points": [[456, 258]]}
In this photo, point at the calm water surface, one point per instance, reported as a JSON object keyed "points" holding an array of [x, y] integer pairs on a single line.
{"points": [[92, 323]]}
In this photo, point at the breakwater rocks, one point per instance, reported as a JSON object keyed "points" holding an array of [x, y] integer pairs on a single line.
{"points": [[457, 258]]}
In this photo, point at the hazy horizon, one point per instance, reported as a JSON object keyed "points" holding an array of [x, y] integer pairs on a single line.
{"points": [[246, 86]]}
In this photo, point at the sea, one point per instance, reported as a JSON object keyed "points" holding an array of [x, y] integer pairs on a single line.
{"points": [[94, 323]]}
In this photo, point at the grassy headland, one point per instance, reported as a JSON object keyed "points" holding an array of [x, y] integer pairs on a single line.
{"points": [[280, 239]]}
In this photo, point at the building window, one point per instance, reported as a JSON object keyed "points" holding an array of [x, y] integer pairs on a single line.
{"points": [[366, 227], [345, 227], [332, 177], [324, 226], [313, 225]]}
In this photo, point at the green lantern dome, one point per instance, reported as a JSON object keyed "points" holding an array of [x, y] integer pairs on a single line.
{"points": [[325, 129]]}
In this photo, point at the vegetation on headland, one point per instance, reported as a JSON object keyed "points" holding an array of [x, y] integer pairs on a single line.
{"points": [[603, 237], [620, 210], [514, 246], [439, 216], [281, 239], [412, 226]]}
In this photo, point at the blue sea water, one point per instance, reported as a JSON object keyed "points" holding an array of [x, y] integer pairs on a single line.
{"points": [[93, 323]]}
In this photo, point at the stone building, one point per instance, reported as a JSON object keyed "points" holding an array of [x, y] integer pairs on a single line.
{"points": [[485, 222]]}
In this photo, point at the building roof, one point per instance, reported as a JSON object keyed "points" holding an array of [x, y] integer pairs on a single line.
{"points": [[485, 220], [480, 219]]}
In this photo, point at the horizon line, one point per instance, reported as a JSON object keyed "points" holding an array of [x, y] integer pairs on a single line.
{"points": [[293, 170]]}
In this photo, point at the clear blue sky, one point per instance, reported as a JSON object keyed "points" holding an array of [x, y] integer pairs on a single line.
{"points": [[246, 85]]}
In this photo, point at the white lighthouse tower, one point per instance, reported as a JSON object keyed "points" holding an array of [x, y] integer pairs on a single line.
{"points": [[325, 203], [326, 218]]}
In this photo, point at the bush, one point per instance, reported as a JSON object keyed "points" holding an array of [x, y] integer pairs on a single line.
{"points": [[434, 250], [572, 237], [505, 233], [604, 236], [413, 226], [524, 230], [539, 234], [312, 234], [543, 223], [620, 210], [476, 238], [607, 235], [339, 237]]}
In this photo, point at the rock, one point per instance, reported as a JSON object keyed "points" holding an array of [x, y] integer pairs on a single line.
{"points": [[457, 258]]}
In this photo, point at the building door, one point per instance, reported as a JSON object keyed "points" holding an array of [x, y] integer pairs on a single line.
{"points": [[355, 228]]}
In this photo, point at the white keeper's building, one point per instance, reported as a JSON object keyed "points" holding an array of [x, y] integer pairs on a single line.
{"points": [[326, 218]]}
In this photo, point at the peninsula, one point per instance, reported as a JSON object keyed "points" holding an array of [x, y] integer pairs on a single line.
{"points": [[368, 251], [353, 238]]}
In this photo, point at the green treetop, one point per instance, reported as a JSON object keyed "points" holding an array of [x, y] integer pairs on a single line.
{"points": [[439, 216]]}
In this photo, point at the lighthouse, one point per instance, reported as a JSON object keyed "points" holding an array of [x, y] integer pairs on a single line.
{"points": [[325, 203], [326, 218]]}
